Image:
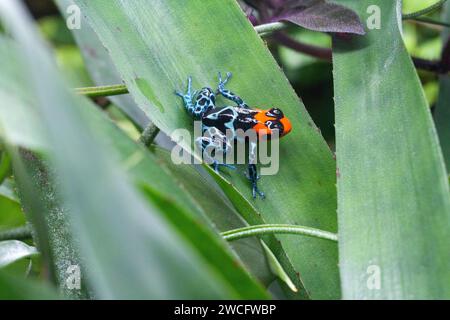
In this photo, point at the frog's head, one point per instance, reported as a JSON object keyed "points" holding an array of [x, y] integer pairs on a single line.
{"points": [[270, 120]]}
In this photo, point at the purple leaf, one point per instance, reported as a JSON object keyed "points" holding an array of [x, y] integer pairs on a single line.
{"points": [[319, 15], [275, 4]]}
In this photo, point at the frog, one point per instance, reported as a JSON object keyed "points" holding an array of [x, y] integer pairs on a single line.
{"points": [[217, 121]]}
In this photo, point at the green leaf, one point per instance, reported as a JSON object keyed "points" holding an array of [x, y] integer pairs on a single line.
{"points": [[52, 235], [144, 171], [12, 128], [100, 66], [156, 45], [211, 203], [13, 250], [277, 268], [393, 192], [52, 229], [11, 212], [204, 241], [5, 165], [442, 113], [107, 214], [222, 214], [13, 287]]}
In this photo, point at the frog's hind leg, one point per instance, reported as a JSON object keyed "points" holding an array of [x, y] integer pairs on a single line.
{"points": [[204, 101], [252, 174], [228, 94], [212, 143], [254, 177]]}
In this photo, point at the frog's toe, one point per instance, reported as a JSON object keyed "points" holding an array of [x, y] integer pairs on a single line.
{"points": [[222, 82], [229, 166], [256, 191], [216, 165]]}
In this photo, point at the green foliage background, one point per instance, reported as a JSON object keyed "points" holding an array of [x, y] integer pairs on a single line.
{"points": [[141, 227]]}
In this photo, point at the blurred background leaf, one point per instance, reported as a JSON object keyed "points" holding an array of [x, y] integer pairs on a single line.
{"points": [[442, 112], [100, 66], [13, 287], [393, 192], [319, 15], [13, 250]]}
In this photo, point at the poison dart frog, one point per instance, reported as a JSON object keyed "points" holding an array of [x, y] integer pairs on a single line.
{"points": [[217, 120]]}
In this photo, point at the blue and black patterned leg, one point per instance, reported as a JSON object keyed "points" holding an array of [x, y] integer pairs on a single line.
{"points": [[228, 94], [252, 170], [204, 101], [254, 177], [214, 142], [188, 97]]}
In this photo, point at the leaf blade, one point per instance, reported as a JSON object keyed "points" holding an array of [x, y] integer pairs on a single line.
{"points": [[152, 66], [393, 196], [318, 15], [130, 219], [13, 250]]}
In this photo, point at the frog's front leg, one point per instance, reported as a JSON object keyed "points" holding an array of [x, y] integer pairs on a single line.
{"points": [[204, 101], [228, 94], [212, 143], [188, 96]]}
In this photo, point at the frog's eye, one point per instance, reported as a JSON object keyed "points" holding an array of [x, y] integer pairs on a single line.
{"points": [[275, 125], [275, 112]]}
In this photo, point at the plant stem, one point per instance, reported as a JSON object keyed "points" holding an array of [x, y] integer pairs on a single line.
{"points": [[102, 91], [148, 135], [325, 54], [259, 230], [425, 11], [430, 21], [20, 233], [315, 51], [265, 29]]}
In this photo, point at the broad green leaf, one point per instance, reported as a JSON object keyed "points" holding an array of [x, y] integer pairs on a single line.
{"points": [[442, 113], [183, 186], [33, 177], [393, 192], [142, 173], [108, 216], [144, 170], [12, 127], [13, 287], [11, 212], [99, 63], [13, 250], [251, 215], [205, 194], [53, 234], [203, 239], [156, 45]]}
